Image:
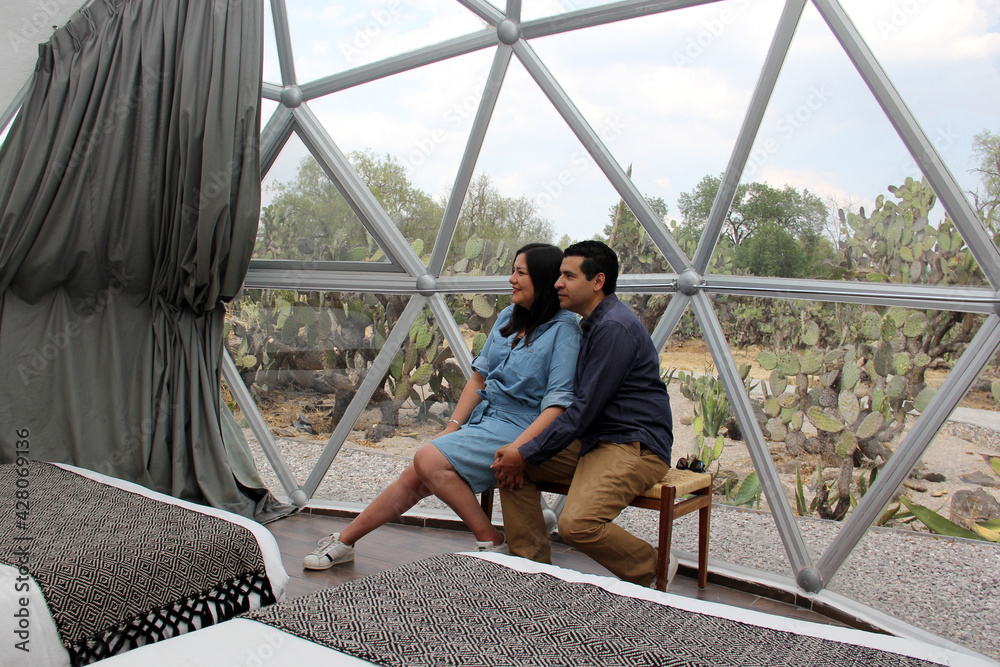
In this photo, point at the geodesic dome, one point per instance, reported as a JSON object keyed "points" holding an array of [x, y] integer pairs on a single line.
{"points": [[511, 40], [523, 40]]}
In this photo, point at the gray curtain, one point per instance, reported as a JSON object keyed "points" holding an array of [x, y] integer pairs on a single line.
{"points": [[129, 196]]}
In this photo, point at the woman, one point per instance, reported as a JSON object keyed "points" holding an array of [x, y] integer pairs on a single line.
{"points": [[521, 381]]}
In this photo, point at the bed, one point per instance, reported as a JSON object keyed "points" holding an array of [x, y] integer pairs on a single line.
{"points": [[91, 566], [491, 609]]}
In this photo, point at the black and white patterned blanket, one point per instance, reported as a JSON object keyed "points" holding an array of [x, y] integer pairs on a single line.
{"points": [[462, 610], [119, 570]]}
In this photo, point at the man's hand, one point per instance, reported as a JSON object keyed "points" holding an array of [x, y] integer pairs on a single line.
{"points": [[509, 465]]}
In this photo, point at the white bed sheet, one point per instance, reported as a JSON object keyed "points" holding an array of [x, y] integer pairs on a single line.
{"points": [[245, 642], [45, 647]]}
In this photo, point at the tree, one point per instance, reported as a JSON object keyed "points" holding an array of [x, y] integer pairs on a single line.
{"points": [[771, 251], [412, 210], [986, 149], [310, 219], [637, 254], [489, 215], [753, 205]]}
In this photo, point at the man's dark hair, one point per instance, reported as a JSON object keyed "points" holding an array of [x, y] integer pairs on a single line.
{"points": [[597, 258], [543, 262]]}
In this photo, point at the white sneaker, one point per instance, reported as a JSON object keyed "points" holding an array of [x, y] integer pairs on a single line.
{"points": [[501, 548], [329, 552], [671, 573]]}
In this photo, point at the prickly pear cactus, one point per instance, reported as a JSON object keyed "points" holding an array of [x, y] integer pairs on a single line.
{"points": [[897, 244], [325, 343], [854, 397]]}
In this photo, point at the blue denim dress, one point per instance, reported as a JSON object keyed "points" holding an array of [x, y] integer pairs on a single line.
{"points": [[520, 383]]}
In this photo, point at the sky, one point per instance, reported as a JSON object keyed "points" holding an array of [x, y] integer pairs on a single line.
{"points": [[667, 94]]}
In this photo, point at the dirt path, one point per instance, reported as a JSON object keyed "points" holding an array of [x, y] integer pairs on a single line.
{"points": [[956, 452]]}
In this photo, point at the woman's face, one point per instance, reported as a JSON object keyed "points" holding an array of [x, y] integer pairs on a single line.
{"points": [[523, 290]]}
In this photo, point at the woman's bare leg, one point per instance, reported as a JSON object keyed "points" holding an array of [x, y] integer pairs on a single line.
{"points": [[395, 499], [436, 473]]}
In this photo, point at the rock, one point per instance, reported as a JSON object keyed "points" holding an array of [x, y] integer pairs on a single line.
{"points": [[934, 477], [938, 494], [788, 467], [976, 505], [376, 432], [914, 486], [302, 424], [981, 479], [686, 420]]}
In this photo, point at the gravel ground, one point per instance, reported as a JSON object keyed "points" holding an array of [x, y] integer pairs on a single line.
{"points": [[948, 587]]}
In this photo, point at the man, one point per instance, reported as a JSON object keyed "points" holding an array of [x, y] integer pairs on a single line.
{"points": [[610, 445]]}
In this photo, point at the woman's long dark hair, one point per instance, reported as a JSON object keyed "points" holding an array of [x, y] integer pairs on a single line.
{"points": [[543, 262]]}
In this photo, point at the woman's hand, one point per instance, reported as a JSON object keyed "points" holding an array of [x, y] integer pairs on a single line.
{"points": [[450, 427]]}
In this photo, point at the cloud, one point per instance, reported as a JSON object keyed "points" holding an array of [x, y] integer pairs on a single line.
{"points": [[673, 88]]}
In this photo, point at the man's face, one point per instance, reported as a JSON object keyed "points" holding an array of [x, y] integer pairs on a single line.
{"points": [[576, 293]]}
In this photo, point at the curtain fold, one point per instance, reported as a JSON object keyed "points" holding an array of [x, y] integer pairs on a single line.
{"points": [[129, 199]]}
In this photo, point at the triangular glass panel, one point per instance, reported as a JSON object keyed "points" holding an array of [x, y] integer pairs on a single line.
{"points": [[706, 428], [333, 37], [666, 85], [825, 193], [305, 217], [836, 389], [938, 58], [953, 489], [534, 182], [406, 135]]}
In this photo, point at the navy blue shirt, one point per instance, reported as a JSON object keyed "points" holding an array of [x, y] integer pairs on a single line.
{"points": [[618, 395]]}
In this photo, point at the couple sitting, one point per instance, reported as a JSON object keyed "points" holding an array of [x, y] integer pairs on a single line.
{"points": [[549, 400]]}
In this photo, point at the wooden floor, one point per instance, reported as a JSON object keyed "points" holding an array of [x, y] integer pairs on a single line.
{"points": [[394, 545]]}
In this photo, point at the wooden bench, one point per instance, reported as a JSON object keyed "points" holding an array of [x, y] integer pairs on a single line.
{"points": [[680, 492]]}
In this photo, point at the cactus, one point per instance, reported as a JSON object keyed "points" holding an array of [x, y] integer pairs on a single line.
{"points": [[326, 342], [864, 388], [896, 243], [853, 396]]}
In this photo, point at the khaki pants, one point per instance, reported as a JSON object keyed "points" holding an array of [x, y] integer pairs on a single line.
{"points": [[602, 483]]}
